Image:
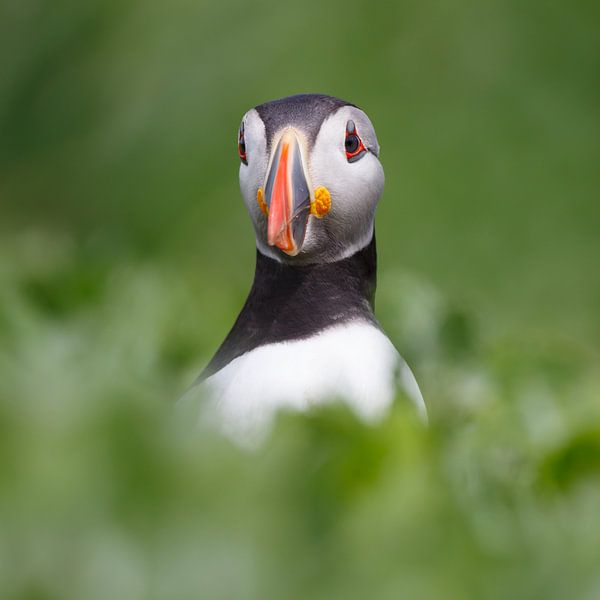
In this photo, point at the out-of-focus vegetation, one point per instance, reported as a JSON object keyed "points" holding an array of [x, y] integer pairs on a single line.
{"points": [[125, 254]]}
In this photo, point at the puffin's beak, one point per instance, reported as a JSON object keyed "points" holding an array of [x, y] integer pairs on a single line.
{"points": [[287, 195]]}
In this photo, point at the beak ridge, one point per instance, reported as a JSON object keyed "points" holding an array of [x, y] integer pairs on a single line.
{"points": [[287, 195]]}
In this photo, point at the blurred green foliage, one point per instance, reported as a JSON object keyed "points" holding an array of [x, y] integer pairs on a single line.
{"points": [[125, 254]]}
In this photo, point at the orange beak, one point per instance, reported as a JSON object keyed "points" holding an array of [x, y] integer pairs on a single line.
{"points": [[287, 196]]}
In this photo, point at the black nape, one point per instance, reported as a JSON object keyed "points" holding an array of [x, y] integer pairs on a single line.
{"points": [[294, 302]]}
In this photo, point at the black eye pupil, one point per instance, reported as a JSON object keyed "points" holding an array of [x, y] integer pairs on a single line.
{"points": [[352, 143], [242, 147]]}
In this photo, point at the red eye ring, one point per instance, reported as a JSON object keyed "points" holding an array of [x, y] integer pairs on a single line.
{"points": [[242, 145], [353, 145]]}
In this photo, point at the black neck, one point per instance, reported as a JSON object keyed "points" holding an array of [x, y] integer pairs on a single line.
{"points": [[293, 302]]}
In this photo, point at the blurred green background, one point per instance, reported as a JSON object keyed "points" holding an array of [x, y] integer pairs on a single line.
{"points": [[126, 253]]}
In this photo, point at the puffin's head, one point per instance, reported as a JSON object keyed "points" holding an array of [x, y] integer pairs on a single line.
{"points": [[310, 177]]}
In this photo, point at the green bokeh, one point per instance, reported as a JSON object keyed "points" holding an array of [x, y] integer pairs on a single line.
{"points": [[126, 253]]}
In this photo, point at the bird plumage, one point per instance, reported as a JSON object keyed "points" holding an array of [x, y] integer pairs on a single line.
{"points": [[307, 333], [295, 302]]}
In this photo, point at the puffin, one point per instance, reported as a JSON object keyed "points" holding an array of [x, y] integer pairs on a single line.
{"points": [[307, 335]]}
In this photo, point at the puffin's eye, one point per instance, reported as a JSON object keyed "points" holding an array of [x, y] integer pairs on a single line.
{"points": [[355, 149], [242, 145]]}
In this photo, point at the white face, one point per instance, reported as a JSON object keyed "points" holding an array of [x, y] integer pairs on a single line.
{"points": [[354, 180]]}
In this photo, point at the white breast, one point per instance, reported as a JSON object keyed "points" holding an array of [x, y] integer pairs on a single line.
{"points": [[354, 363]]}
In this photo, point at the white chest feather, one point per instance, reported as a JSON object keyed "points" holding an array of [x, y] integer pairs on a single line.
{"points": [[355, 363]]}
